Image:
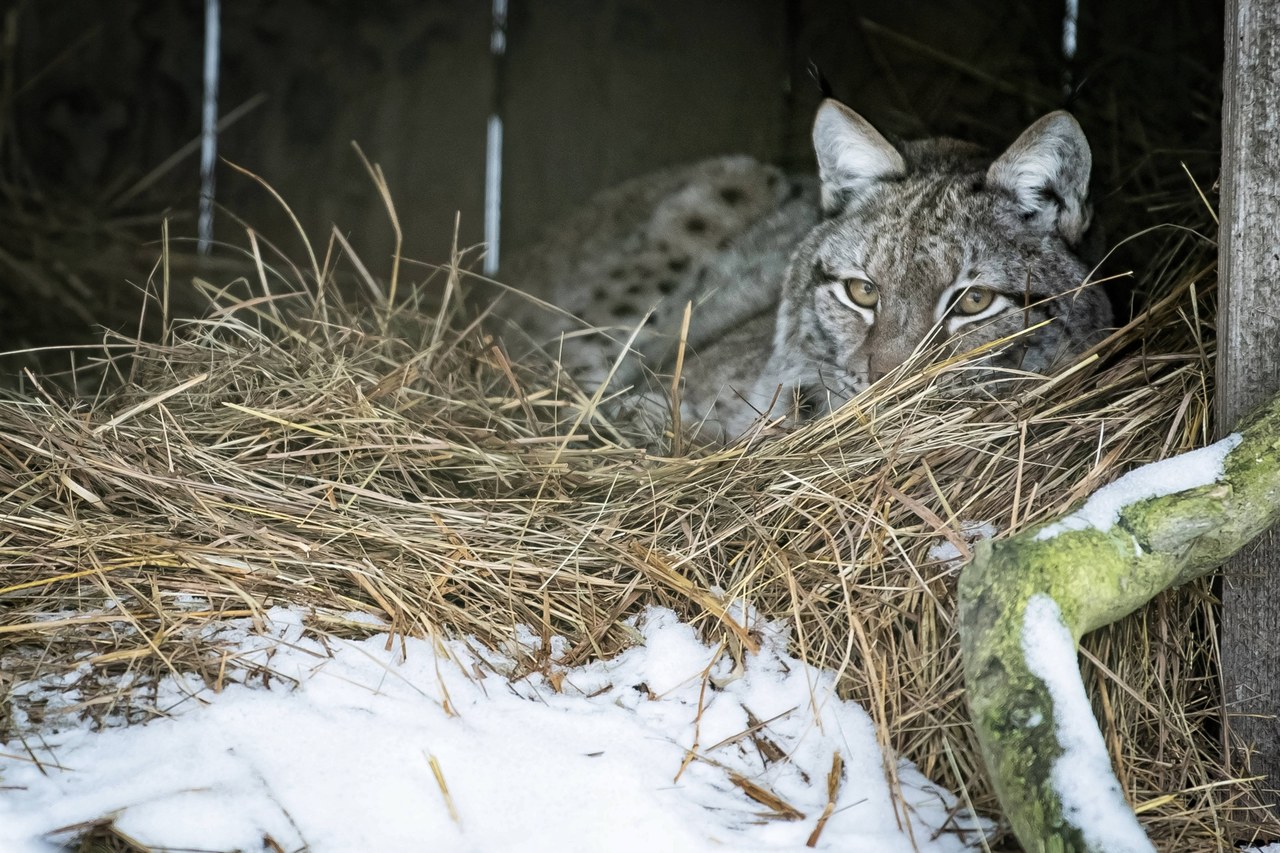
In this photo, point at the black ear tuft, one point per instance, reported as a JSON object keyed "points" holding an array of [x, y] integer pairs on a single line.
{"points": [[824, 85]]}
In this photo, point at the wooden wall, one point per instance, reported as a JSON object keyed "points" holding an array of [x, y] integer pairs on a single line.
{"points": [[593, 91], [602, 90]]}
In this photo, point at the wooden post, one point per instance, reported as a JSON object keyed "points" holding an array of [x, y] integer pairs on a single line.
{"points": [[1249, 361]]}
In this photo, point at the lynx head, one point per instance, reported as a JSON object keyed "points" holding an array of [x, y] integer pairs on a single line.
{"points": [[928, 243]]}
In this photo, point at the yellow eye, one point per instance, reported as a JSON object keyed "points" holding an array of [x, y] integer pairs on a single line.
{"points": [[863, 293], [975, 300]]}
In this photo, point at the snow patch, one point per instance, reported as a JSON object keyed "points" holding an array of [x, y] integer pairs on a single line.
{"points": [[339, 750], [1166, 477], [359, 617], [1091, 797], [971, 532]]}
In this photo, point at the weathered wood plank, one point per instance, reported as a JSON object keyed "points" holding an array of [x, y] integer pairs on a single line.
{"points": [[1249, 358], [409, 81], [598, 91]]}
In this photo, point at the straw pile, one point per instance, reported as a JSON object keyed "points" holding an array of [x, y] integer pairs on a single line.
{"points": [[291, 448]]}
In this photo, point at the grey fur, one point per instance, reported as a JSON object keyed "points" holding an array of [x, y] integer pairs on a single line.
{"points": [[762, 257]]}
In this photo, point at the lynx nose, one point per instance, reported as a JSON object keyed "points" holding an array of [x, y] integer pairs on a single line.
{"points": [[878, 367]]}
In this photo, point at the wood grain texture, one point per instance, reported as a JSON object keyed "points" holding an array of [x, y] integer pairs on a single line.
{"points": [[1249, 361], [598, 91]]}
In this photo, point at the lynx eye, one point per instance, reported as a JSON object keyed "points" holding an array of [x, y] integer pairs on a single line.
{"points": [[861, 292], [975, 300]]}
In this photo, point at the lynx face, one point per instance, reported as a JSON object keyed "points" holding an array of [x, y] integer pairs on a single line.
{"points": [[928, 247]]}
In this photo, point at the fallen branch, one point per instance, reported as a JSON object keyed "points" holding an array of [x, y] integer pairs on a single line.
{"points": [[1026, 601]]}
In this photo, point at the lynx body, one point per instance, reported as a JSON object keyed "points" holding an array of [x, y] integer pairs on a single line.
{"points": [[805, 292]]}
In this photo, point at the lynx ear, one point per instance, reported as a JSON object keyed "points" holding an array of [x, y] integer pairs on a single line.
{"points": [[1047, 171], [852, 155]]}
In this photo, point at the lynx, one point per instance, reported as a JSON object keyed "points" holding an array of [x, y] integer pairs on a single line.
{"points": [[805, 292]]}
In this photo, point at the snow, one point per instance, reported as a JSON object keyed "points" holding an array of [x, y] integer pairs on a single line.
{"points": [[1081, 775], [971, 532], [340, 751], [1166, 477]]}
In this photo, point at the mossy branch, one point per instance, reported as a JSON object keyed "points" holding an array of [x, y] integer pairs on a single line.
{"points": [[1026, 599]]}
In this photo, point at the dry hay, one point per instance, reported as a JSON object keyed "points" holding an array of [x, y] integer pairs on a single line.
{"points": [[287, 448]]}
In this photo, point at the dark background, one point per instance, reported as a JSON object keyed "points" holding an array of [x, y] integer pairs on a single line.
{"points": [[97, 96]]}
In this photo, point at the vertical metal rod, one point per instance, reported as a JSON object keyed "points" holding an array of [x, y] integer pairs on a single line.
{"points": [[209, 125], [493, 144], [492, 194], [1070, 27]]}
